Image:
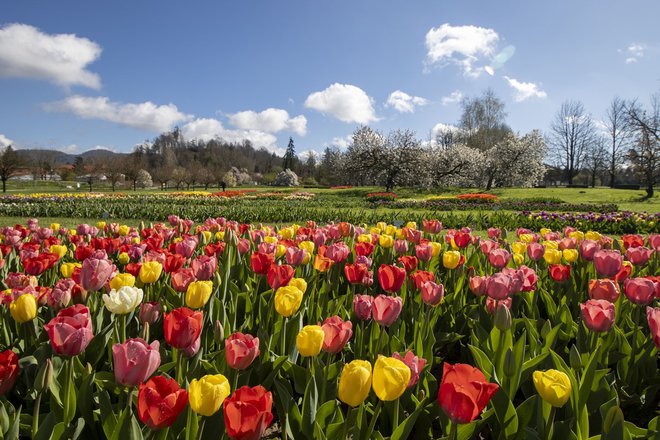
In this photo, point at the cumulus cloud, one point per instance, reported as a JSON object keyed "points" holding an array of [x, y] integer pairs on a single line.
{"points": [[340, 141], [525, 90], [404, 103], [345, 102], [5, 141], [633, 52], [207, 128], [460, 45], [453, 98], [27, 52], [271, 120], [144, 115]]}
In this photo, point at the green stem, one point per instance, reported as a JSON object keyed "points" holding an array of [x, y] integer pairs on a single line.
{"points": [[372, 425], [283, 336], [395, 422], [179, 366], [35, 415], [189, 420], [235, 380], [453, 431], [344, 434], [123, 328], [380, 339], [548, 426]]}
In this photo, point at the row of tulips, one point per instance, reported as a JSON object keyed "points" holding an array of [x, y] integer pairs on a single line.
{"points": [[326, 331]]}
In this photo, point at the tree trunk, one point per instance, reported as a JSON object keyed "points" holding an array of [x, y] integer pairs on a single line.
{"points": [[135, 185], [113, 186], [649, 190], [489, 185], [4, 185]]}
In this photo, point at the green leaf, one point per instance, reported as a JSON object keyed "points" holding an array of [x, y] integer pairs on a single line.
{"points": [[588, 378], [403, 430], [482, 360], [310, 402], [506, 415]]}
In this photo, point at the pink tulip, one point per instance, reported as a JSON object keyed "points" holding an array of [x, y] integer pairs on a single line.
{"points": [[337, 252], [95, 273], [241, 350], [135, 361], [387, 309], [337, 334], [499, 258], [204, 267], [498, 286], [639, 256], [424, 252], [150, 312], [604, 289], [243, 246], [186, 247], [432, 293], [567, 243], [640, 291], [494, 233], [267, 248], [413, 362], [493, 304], [60, 296], [588, 248], [400, 246], [70, 331], [295, 256], [607, 262], [598, 314], [191, 350], [535, 251], [478, 285], [654, 242], [653, 318], [363, 306], [487, 246], [181, 279]]}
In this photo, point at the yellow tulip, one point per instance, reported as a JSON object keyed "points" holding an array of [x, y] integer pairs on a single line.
{"points": [[382, 226], [518, 259], [400, 234], [553, 386], [280, 250], [390, 378], [437, 248], [198, 294], [364, 238], [518, 247], [451, 259], [570, 255], [73, 232], [270, 239], [55, 227], [122, 279], [286, 233], [287, 300], [207, 235], [307, 245], [545, 231], [391, 230], [526, 238], [66, 269], [24, 308], [592, 235], [551, 244], [411, 225], [124, 230], [59, 250], [578, 235], [150, 272], [100, 225], [310, 340], [386, 241], [376, 231], [355, 382], [207, 394], [552, 256], [220, 235], [300, 283], [124, 258]]}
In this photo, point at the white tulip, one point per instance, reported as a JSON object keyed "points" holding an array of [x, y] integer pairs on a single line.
{"points": [[124, 300]]}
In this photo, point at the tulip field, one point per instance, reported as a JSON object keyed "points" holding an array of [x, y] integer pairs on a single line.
{"points": [[214, 328]]}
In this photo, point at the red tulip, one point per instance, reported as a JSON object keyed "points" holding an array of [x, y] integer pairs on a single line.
{"points": [[598, 314], [431, 226], [363, 306], [248, 413], [364, 249], [40, 263], [241, 350], [607, 262], [173, 262], [9, 371], [624, 272], [387, 309], [640, 291], [337, 333], [182, 327], [160, 401], [261, 262], [494, 233], [279, 276], [464, 392], [462, 239], [653, 318], [419, 277], [355, 273], [413, 362], [632, 241], [70, 331], [604, 289], [409, 263], [135, 361], [391, 278], [560, 272], [133, 268]]}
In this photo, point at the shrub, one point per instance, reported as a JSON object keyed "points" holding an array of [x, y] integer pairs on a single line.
{"points": [[286, 178], [381, 197]]}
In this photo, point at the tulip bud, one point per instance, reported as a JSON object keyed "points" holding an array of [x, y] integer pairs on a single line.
{"points": [[574, 358], [44, 376], [141, 226], [509, 363], [218, 332], [502, 318], [546, 328], [613, 418]]}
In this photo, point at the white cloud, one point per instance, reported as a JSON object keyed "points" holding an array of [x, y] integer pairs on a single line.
{"points": [[207, 128], [633, 52], [26, 52], [525, 90], [340, 142], [404, 103], [345, 102], [271, 120], [453, 98], [460, 45], [5, 141], [438, 129], [144, 115], [71, 149]]}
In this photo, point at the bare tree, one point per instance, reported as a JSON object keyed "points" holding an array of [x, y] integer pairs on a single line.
{"points": [[571, 132], [483, 121], [9, 164], [645, 152], [596, 159], [618, 131]]}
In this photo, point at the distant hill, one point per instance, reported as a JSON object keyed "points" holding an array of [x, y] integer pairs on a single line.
{"points": [[59, 158]]}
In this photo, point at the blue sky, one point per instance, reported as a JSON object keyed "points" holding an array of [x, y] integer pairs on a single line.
{"points": [[76, 75]]}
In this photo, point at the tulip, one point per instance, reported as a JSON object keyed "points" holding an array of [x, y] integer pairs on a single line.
{"points": [[355, 273], [451, 259], [70, 331], [570, 255], [310, 340], [625, 272], [386, 241], [632, 240], [204, 267], [241, 350], [588, 249], [553, 386], [9, 371], [652, 316], [499, 258], [355, 382], [640, 291], [122, 279], [24, 308], [499, 286], [478, 285], [337, 252], [552, 256], [464, 392], [409, 262], [160, 401], [66, 269], [135, 361], [61, 294], [560, 272], [261, 262], [150, 312], [420, 277], [598, 315], [391, 277], [287, 300], [295, 256], [336, 334], [535, 251], [604, 289], [150, 272], [492, 305], [322, 264], [95, 273], [248, 412], [198, 294], [300, 283], [386, 309], [279, 276], [182, 327], [432, 293], [639, 256], [424, 252], [181, 279], [607, 262], [413, 362], [400, 246], [390, 378], [123, 301], [488, 245], [207, 394], [363, 306]]}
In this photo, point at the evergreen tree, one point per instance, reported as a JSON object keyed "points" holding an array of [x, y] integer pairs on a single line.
{"points": [[289, 155]]}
